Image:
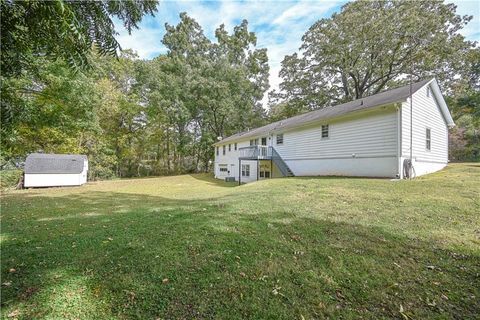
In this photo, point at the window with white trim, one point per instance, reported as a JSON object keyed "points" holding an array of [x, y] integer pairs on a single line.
{"points": [[428, 139], [245, 170], [279, 139], [428, 91], [218, 151], [229, 147], [224, 149], [264, 174], [325, 131], [235, 146], [222, 168]]}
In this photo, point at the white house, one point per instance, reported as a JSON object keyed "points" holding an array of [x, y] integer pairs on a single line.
{"points": [[375, 136], [54, 170]]}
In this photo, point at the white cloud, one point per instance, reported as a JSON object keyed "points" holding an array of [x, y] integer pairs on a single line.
{"points": [[305, 9], [146, 42], [471, 8]]}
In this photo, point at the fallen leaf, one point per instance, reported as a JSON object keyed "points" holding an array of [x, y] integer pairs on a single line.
{"points": [[14, 313], [7, 283], [431, 303], [12, 270], [243, 274], [165, 280]]}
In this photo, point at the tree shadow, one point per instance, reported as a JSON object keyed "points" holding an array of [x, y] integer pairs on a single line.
{"points": [[107, 255]]}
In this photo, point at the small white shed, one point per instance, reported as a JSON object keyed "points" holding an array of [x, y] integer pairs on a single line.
{"points": [[55, 170]]}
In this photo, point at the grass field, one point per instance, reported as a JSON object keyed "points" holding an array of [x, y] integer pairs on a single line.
{"points": [[190, 246]]}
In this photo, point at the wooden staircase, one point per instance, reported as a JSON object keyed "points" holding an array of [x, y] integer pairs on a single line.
{"points": [[265, 153]]}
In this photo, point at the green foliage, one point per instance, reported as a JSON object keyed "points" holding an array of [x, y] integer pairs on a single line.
{"points": [[9, 178], [465, 136], [464, 105], [63, 29], [373, 45]]}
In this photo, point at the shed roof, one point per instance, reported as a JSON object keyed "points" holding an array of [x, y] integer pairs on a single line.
{"points": [[376, 100], [54, 163]]}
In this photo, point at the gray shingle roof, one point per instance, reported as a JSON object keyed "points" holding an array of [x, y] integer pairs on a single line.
{"points": [[54, 163], [379, 99]]}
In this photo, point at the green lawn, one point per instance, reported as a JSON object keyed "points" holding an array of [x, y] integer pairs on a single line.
{"points": [[193, 247]]}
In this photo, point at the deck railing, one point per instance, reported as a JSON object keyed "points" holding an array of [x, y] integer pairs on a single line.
{"points": [[256, 152]]}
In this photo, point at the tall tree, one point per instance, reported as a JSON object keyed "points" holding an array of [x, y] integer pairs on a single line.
{"points": [[371, 45], [202, 89]]}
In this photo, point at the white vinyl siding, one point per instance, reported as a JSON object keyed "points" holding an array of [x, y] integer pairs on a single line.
{"points": [[231, 158], [426, 114], [55, 180], [362, 136]]}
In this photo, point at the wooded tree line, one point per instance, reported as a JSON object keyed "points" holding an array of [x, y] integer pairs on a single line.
{"points": [[137, 117]]}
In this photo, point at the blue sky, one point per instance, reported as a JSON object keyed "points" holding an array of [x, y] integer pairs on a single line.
{"points": [[279, 25]]}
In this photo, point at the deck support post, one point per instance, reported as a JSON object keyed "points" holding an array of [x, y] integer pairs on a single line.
{"points": [[239, 171], [271, 168], [258, 167]]}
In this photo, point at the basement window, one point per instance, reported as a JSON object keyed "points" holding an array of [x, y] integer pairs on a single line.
{"points": [[280, 138], [325, 131], [245, 170], [428, 139]]}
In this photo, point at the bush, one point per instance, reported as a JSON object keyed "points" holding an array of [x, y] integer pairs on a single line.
{"points": [[9, 178]]}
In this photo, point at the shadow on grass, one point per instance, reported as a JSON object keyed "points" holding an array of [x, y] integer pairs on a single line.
{"points": [[105, 255]]}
